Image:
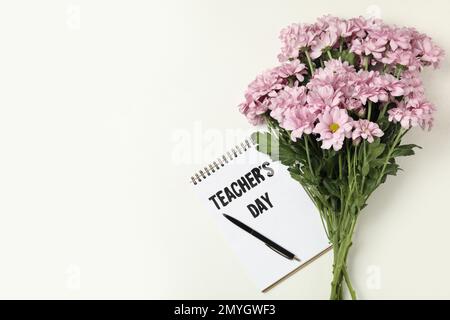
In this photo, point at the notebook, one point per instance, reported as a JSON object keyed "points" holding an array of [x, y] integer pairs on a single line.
{"points": [[248, 186]]}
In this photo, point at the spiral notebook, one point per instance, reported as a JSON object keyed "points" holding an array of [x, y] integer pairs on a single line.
{"points": [[246, 186]]}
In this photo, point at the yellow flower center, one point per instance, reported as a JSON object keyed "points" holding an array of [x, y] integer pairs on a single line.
{"points": [[334, 127]]}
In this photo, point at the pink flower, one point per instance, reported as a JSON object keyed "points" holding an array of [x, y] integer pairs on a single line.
{"points": [[412, 84], [292, 68], [392, 84], [414, 91], [326, 40], [323, 77], [328, 22], [357, 47], [337, 66], [286, 99], [370, 46], [340, 76], [399, 38], [355, 105], [254, 110], [389, 57], [347, 28], [368, 86], [323, 96], [411, 116], [406, 58], [363, 25], [369, 25], [375, 47], [343, 28], [264, 84], [333, 127], [430, 53], [364, 129], [295, 38], [300, 121], [256, 98]]}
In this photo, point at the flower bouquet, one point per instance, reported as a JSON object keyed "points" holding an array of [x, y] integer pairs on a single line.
{"points": [[337, 107]]}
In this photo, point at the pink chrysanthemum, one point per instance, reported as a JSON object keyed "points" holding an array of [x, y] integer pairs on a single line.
{"points": [[300, 121], [364, 129], [286, 99], [411, 116], [321, 97], [295, 38], [333, 127], [429, 52], [392, 85], [254, 110], [326, 40], [264, 84], [373, 46], [292, 68]]}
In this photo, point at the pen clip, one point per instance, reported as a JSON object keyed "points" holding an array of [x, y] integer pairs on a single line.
{"points": [[279, 252]]}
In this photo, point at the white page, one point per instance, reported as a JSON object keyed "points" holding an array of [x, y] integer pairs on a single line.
{"points": [[293, 222]]}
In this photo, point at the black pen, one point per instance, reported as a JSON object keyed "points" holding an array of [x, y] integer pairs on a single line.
{"points": [[272, 245]]}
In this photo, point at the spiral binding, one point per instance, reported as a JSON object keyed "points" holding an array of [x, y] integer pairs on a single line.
{"points": [[222, 161]]}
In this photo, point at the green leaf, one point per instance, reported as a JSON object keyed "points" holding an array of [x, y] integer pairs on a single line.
{"points": [[404, 150], [270, 145], [348, 56], [403, 153], [298, 149], [411, 146], [370, 185], [390, 131], [365, 168], [375, 150], [377, 162], [374, 172], [332, 187], [383, 123], [392, 169], [295, 174], [286, 156]]}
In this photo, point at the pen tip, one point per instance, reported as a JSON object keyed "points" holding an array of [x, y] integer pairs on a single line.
{"points": [[297, 259]]}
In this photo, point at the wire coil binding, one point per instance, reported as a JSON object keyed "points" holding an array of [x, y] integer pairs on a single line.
{"points": [[222, 161]]}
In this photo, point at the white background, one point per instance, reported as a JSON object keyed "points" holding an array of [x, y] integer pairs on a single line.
{"points": [[107, 107]]}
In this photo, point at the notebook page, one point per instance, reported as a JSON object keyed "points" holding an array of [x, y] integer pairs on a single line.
{"points": [[273, 204]]}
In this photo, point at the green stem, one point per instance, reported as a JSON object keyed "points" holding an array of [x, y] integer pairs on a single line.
{"points": [[311, 68], [343, 230], [329, 55], [389, 155], [345, 272], [383, 111], [349, 284], [366, 63], [307, 154], [363, 179], [398, 72], [336, 285], [337, 267], [369, 110]]}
